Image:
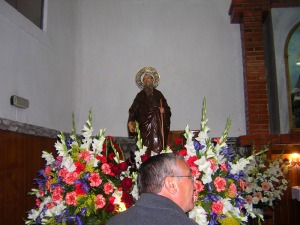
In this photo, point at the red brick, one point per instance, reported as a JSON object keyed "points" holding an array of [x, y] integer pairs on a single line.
{"points": [[263, 116], [253, 117], [261, 142]]}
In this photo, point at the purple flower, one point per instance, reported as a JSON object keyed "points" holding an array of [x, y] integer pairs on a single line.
{"points": [[198, 146]]}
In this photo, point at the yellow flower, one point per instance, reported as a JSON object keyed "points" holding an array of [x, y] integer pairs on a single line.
{"points": [[89, 168], [228, 221]]}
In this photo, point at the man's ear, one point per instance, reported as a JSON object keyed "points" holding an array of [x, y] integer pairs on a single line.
{"points": [[171, 185]]}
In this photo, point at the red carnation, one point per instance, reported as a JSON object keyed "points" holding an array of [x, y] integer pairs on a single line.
{"points": [[115, 170], [117, 147], [101, 158], [123, 166], [109, 208], [144, 157], [126, 184], [182, 152], [111, 156], [178, 141], [111, 199], [127, 199], [110, 138], [79, 189], [79, 167], [191, 161], [104, 148]]}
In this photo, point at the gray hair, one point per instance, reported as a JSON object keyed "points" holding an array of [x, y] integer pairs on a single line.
{"points": [[153, 171]]}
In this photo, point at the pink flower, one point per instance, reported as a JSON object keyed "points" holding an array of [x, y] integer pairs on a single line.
{"points": [[62, 173], [195, 171], [108, 188], [220, 184], [217, 207], [100, 201], [59, 159], [57, 197], [199, 186], [58, 189], [248, 184], [242, 184], [265, 186], [50, 205], [48, 184], [41, 192], [95, 179], [223, 167], [57, 194], [71, 198], [249, 199], [38, 202], [216, 140], [258, 195], [85, 155], [213, 164], [71, 177], [232, 190], [48, 170], [106, 168]]}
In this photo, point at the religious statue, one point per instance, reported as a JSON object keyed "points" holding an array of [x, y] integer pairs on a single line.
{"points": [[151, 110]]}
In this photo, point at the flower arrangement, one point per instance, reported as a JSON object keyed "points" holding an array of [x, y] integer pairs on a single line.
{"points": [[265, 181], [87, 183], [219, 174]]}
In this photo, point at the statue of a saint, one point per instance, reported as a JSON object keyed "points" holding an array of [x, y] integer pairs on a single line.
{"points": [[151, 110]]}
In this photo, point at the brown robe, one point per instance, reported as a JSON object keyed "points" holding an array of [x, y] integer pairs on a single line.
{"points": [[145, 110]]}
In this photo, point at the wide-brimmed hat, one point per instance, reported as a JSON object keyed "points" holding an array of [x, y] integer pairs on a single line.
{"points": [[147, 70]]}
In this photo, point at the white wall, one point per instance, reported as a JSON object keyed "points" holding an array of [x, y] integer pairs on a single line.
{"points": [[192, 45], [92, 50], [38, 65], [283, 20]]}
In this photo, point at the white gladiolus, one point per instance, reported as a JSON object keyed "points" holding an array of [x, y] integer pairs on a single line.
{"points": [[48, 157], [68, 163], [199, 215], [239, 166]]}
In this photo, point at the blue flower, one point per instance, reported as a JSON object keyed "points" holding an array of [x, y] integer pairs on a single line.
{"points": [[198, 146], [68, 143], [228, 152]]}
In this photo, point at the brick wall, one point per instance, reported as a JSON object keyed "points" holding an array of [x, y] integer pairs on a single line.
{"points": [[250, 15]]}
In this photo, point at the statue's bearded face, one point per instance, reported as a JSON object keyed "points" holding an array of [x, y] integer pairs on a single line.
{"points": [[148, 81], [148, 84]]}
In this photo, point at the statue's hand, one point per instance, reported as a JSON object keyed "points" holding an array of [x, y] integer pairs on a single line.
{"points": [[131, 127]]}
